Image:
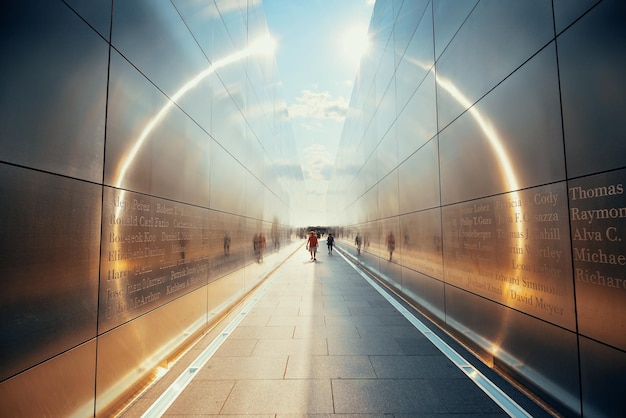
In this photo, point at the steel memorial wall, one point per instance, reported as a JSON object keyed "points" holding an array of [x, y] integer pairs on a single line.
{"points": [[143, 160], [482, 166]]}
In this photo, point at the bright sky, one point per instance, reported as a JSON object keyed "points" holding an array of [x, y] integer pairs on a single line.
{"points": [[318, 53]]}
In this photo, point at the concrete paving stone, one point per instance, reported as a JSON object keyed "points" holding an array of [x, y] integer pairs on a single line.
{"points": [[201, 397], [255, 320], [233, 368], [301, 346], [378, 311], [394, 320], [325, 331], [353, 320], [365, 295], [339, 346], [247, 333], [415, 367], [382, 303], [236, 348], [331, 367], [310, 396], [388, 331], [286, 303], [463, 396], [268, 311], [385, 396], [296, 321], [417, 346], [355, 303], [333, 311]]}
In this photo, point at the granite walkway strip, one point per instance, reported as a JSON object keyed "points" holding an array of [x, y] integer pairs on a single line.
{"points": [[319, 339]]}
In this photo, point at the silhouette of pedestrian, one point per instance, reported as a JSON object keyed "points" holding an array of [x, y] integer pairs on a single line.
{"points": [[391, 244], [311, 245], [330, 241]]}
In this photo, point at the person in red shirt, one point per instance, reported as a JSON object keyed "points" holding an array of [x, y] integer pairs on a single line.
{"points": [[311, 245]]}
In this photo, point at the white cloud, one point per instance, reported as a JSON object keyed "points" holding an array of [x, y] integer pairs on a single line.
{"points": [[319, 105], [318, 164]]}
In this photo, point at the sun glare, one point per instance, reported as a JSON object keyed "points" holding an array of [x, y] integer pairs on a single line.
{"points": [[354, 42]]}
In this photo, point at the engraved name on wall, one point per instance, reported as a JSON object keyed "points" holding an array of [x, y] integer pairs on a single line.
{"points": [[514, 249], [153, 251], [598, 225]]}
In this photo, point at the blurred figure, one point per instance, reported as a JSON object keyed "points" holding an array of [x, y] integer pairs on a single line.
{"points": [[357, 242], [262, 244], [391, 244], [330, 241], [226, 244], [311, 245]]}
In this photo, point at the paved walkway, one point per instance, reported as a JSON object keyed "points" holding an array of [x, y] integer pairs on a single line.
{"points": [[318, 338]]}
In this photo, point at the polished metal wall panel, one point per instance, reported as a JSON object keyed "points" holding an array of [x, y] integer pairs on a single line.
{"points": [[419, 180], [411, 14], [388, 195], [567, 11], [228, 180], [514, 249], [418, 57], [497, 37], [591, 66], [448, 17], [60, 387], [55, 73], [255, 197], [604, 378], [387, 154], [488, 243], [129, 354], [228, 243], [142, 253], [234, 15], [417, 122], [420, 242], [96, 12], [370, 200], [203, 20], [143, 127], [426, 292], [539, 354], [48, 265], [491, 148], [385, 114], [153, 251], [152, 35], [598, 227]]}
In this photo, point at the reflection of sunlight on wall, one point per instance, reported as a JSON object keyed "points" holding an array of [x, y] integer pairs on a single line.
{"points": [[507, 169], [263, 46], [355, 43]]}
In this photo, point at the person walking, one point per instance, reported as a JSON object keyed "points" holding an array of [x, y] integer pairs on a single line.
{"points": [[311, 245], [357, 242], [330, 241]]}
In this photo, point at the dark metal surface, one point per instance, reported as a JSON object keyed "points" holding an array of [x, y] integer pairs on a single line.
{"points": [[591, 62], [48, 266], [495, 39], [53, 90]]}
